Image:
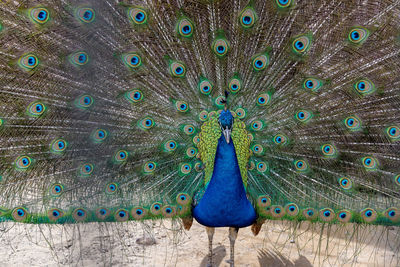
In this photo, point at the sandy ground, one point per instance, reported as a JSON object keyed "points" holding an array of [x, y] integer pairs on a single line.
{"points": [[166, 244]]}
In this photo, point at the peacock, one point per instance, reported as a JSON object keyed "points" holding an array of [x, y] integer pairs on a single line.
{"points": [[233, 113]]}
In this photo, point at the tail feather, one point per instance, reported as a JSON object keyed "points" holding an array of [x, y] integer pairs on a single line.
{"points": [[105, 109]]}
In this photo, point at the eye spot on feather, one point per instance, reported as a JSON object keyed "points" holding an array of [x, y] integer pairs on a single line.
{"points": [[191, 152], [138, 213], [280, 139], [263, 99], [56, 190], [358, 35], [36, 109], [352, 123], [39, 15], [234, 85], [260, 62], [102, 213], [79, 58], [170, 146], [99, 135], [220, 101], [85, 14], [262, 167], [55, 214], [86, 169], [257, 149], [397, 179], [132, 60], [111, 188], [277, 211], [58, 146], [247, 17], [121, 215], [220, 47], [205, 86], [301, 165], [168, 211], [185, 28], [181, 106], [177, 69], [146, 123], [134, 96], [303, 116], [257, 125], [155, 208], [28, 62], [203, 115], [329, 151], [368, 215], [198, 166], [292, 209], [251, 166], [241, 113], [327, 215], [79, 215], [189, 129], [149, 167], [264, 201], [137, 15], [284, 4], [120, 156], [369, 163], [84, 102], [22, 163], [185, 168], [19, 214], [312, 84], [345, 183], [344, 216], [364, 87], [310, 213], [393, 214], [393, 132], [301, 44], [183, 199]]}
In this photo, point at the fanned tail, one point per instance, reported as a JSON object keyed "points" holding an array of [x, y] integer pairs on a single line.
{"points": [[109, 110]]}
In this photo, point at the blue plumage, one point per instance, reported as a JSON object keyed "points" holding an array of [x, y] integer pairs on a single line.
{"points": [[224, 202]]}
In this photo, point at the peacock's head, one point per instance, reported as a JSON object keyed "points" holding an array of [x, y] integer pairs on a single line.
{"points": [[226, 123]]}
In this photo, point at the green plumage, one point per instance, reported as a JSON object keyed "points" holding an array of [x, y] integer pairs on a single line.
{"points": [[104, 107]]}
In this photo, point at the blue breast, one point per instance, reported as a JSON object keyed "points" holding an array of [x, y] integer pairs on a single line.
{"points": [[224, 203]]}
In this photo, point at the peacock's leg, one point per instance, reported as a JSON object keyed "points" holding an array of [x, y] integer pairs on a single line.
{"points": [[210, 234], [233, 232]]}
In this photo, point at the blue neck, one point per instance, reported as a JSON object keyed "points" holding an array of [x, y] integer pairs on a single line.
{"points": [[224, 202]]}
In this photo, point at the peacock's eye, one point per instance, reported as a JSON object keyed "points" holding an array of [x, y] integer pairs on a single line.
{"points": [[177, 69], [358, 35], [185, 28], [301, 44], [247, 17], [220, 47], [39, 15], [137, 15], [85, 14], [260, 62]]}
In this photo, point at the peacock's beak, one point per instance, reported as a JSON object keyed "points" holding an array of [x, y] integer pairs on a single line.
{"points": [[227, 134]]}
